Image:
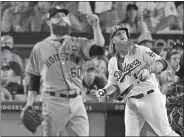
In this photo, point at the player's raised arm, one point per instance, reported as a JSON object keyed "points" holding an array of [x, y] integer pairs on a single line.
{"points": [[95, 47], [111, 84], [93, 20]]}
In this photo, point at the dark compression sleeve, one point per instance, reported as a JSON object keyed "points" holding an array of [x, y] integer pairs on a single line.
{"points": [[34, 83]]}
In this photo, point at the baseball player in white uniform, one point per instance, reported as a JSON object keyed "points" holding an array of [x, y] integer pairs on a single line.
{"points": [[57, 61], [144, 102]]}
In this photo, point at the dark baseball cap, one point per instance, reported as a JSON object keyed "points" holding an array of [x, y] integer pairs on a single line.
{"points": [[55, 10], [131, 6], [116, 28]]}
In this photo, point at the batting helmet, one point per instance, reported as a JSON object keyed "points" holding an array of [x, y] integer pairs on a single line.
{"points": [[114, 29]]}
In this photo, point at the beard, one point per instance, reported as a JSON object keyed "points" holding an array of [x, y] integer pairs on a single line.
{"points": [[60, 30], [122, 47]]}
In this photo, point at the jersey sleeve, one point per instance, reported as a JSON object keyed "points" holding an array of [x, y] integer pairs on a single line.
{"points": [[33, 62], [148, 55], [111, 79]]}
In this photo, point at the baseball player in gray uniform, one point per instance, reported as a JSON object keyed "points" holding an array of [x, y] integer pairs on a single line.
{"points": [[57, 61], [145, 102]]}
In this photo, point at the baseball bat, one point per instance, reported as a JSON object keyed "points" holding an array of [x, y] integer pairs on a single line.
{"points": [[127, 90]]}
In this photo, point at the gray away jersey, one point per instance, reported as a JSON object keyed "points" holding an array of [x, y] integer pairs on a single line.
{"points": [[59, 65]]}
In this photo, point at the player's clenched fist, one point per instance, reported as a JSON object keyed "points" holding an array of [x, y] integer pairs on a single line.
{"points": [[143, 74], [93, 20], [100, 94]]}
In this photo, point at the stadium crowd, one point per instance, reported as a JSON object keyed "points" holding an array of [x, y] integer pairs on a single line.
{"points": [[138, 17]]}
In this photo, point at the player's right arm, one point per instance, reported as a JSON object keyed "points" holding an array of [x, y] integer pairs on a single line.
{"points": [[111, 84], [95, 47], [93, 20], [32, 69]]}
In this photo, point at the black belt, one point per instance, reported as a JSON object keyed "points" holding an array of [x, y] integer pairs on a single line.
{"points": [[65, 95], [142, 95]]}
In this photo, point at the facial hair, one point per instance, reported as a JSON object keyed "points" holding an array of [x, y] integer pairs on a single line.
{"points": [[124, 47], [60, 30]]}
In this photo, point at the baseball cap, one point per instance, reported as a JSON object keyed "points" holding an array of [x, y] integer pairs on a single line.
{"points": [[12, 65], [131, 6], [145, 37], [7, 39], [116, 28], [55, 10], [89, 64]]}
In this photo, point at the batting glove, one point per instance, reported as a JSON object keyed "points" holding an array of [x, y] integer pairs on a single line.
{"points": [[100, 94], [143, 74]]}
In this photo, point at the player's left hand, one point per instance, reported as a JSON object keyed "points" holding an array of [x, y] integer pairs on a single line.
{"points": [[143, 74], [93, 20]]}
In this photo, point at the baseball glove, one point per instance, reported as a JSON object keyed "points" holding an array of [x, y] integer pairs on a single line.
{"points": [[31, 119]]}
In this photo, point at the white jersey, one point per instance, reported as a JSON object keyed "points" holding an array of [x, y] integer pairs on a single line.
{"points": [[140, 57]]}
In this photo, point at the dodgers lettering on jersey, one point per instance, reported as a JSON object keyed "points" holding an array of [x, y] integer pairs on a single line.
{"points": [[59, 64], [142, 57], [126, 70]]}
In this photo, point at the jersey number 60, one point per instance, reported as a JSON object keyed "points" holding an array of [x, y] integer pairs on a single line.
{"points": [[76, 72]]}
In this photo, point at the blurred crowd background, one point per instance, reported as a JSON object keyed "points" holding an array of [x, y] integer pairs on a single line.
{"points": [[144, 18], [153, 17]]}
